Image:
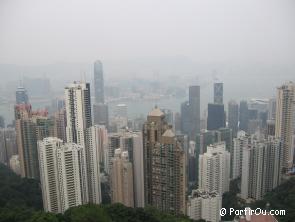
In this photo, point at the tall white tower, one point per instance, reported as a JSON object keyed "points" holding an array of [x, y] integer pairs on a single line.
{"points": [[63, 174], [214, 169], [78, 111], [284, 121]]}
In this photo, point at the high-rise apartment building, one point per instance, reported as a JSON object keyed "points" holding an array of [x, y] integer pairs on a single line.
{"points": [[214, 169], [26, 141], [233, 117], [60, 122], [204, 205], [132, 143], [164, 165], [240, 143], [62, 174], [285, 111], [261, 167], [122, 179], [78, 112], [95, 145], [98, 82]]}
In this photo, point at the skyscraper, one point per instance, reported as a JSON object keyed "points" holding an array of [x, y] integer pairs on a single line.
{"points": [[26, 141], [244, 116], [98, 82], [101, 114], [239, 144], [132, 143], [60, 122], [194, 106], [21, 95], [284, 121], [78, 112], [233, 117], [122, 179], [62, 174], [216, 116], [94, 148], [214, 169], [218, 92], [164, 165], [190, 113]]}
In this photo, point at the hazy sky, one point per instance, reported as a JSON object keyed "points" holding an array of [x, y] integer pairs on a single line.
{"points": [[227, 31]]}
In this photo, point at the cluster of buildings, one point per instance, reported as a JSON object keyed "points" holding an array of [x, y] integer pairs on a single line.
{"points": [[177, 163]]}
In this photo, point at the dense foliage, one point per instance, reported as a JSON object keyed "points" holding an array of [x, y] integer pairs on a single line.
{"points": [[281, 198], [21, 201], [18, 192]]}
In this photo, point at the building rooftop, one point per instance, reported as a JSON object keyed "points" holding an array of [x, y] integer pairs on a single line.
{"points": [[168, 133], [156, 112]]}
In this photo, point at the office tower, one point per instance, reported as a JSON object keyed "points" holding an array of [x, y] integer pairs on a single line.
{"points": [[284, 121], [101, 114], [21, 95], [62, 174], [204, 139], [233, 117], [272, 109], [225, 134], [8, 146], [239, 144], [190, 113], [95, 146], [98, 82], [26, 141], [14, 164], [218, 93], [214, 169], [122, 179], [60, 122], [204, 205], [270, 127], [185, 121], [164, 165], [216, 116], [194, 106], [78, 112], [244, 116], [261, 167], [121, 110]]}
